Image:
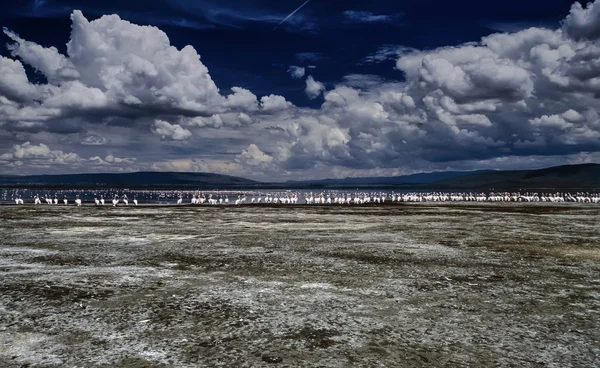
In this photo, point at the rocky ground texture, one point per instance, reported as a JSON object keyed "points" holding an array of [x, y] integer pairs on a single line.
{"points": [[402, 285]]}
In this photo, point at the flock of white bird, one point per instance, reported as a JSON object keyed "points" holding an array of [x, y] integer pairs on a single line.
{"points": [[77, 201], [332, 197]]}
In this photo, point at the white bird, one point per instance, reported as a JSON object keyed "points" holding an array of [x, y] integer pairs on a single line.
{"points": [[96, 201], [102, 200], [78, 201], [65, 201], [180, 200], [135, 202]]}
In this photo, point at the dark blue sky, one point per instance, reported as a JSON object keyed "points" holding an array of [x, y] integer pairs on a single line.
{"points": [[341, 88]]}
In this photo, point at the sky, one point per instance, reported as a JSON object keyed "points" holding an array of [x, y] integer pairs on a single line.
{"points": [[288, 90]]}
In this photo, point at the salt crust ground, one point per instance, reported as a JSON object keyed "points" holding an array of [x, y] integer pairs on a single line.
{"points": [[404, 285]]}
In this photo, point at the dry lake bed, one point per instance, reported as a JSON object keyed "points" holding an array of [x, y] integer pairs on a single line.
{"points": [[398, 285]]}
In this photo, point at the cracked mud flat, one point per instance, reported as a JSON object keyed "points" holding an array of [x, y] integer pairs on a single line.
{"points": [[403, 285]]}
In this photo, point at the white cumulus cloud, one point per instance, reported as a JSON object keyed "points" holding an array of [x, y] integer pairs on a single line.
{"points": [[583, 23], [313, 88], [170, 131], [296, 71], [112, 69], [253, 156], [42, 156]]}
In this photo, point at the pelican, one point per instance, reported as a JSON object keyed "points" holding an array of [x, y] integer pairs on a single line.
{"points": [[102, 200], [180, 200], [96, 201], [78, 201], [65, 200], [115, 201], [135, 202], [125, 200]]}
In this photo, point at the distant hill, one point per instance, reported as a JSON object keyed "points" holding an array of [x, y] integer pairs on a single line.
{"points": [[413, 179], [566, 176], [133, 180]]}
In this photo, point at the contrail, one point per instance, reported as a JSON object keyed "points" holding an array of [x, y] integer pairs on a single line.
{"points": [[292, 13]]}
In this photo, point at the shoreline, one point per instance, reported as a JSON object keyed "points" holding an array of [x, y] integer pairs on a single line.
{"points": [[324, 205]]}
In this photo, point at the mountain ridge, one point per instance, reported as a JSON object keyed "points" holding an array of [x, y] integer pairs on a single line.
{"points": [[134, 179], [417, 178], [563, 176]]}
